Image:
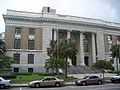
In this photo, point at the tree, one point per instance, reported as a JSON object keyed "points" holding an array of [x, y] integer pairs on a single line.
{"points": [[103, 65], [5, 61], [60, 51], [54, 64], [115, 53], [67, 50], [2, 47]]}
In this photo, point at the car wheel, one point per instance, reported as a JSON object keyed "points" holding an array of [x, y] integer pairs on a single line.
{"points": [[37, 85], [113, 81], [2, 86], [99, 82], [57, 84], [83, 83]]}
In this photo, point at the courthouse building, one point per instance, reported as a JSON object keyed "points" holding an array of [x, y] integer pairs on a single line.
{"points": [[28, 34]]}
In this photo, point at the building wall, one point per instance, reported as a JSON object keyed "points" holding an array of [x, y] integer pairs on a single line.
{"points": [[9, 37]]}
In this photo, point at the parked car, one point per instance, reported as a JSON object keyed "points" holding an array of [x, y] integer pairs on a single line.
{"points": [[4, 83], [115, 78], [47, 81], [87, 80]]}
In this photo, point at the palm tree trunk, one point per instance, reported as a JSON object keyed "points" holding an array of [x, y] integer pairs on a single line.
{"points": [[66, 69]]}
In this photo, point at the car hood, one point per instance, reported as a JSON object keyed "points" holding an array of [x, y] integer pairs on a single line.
{"points": [[36, 81], [81, 79], [115, 77]]}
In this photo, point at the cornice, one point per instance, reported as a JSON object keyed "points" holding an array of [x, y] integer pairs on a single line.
{"points": [[44, 19]]}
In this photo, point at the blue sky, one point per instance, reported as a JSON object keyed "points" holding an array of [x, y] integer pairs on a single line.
{"points": [[108, 10]]}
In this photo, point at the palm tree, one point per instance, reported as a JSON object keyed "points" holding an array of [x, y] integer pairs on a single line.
{"points": [[61, 51], [115, 53], [67, 50], [2, 47]]}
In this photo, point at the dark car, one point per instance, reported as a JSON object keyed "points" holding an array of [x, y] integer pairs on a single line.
{"points": [[87, 80]]}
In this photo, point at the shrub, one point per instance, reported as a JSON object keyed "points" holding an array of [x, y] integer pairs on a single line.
{"points": [[23, 73], [13, 75]]}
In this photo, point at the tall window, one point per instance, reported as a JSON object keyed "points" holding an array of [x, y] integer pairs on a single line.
{"points": [[30, 70], [17, 44], [17, 30], [17, 58], [16, 69], [61, 35], [30, 58], [31, 44], [86, 48], [31, 31], [109, 37]]}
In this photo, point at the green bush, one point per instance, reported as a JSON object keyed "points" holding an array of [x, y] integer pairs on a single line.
{"points": [[12, 76], [23, 73], [115, 72]]}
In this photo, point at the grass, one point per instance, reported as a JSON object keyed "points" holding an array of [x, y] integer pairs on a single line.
{"points": [[27, 78]]}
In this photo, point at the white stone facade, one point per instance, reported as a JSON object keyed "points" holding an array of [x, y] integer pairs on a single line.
{"points": [[93, 29]]}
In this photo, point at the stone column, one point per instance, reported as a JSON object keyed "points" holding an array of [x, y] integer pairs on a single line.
{"points": [[81, 50], [93, 48], [68, 37], [55, 34]]}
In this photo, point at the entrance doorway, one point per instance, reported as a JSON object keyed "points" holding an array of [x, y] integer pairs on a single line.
{"points": [[86, 58]]}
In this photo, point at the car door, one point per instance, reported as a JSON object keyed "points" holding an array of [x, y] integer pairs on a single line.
{"points": [[45, 82], [92, 80]]}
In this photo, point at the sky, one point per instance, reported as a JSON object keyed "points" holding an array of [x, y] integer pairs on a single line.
{"points": [[108, 10]]}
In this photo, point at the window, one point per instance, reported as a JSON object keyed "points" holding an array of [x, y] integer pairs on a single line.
{"points": [[86, 47], [17, 44], [109, 47], [30, 58], [31, 31], [109, 37], [61, 35], [73, 36], [30, 70], [93, 77], [17, 58], [118, 38], [16, 69], [31, 44], [17, 30]]}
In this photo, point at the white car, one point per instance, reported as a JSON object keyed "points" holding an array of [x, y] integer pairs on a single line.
{"points": [[115, 78], [47, 81], [4, 83]]}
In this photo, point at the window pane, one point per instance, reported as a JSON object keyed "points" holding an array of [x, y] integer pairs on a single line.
{"points": [[30, 70], [31, 44], [16, 69], [31, 31], [17, 30], [30, 58], [17, 58], [17, 44]]}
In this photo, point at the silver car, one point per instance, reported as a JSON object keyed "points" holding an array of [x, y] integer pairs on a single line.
{"points": [[47, 81], [4, 83], [87, 80]]}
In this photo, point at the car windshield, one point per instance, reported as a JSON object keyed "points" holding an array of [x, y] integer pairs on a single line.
{"points": [[85, 77], [118, 74]]}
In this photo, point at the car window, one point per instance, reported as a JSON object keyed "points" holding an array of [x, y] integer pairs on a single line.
{"points": [[93, 77], [52, 78], [85, 77], [46, 79], [0, 80]]}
